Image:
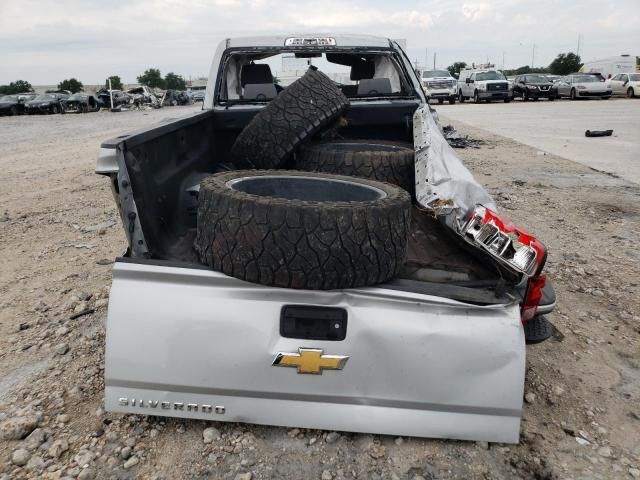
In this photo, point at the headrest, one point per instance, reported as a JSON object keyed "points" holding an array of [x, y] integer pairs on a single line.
{"points": [[255, 73], [375, 86], [260, 91], [362, 70]]}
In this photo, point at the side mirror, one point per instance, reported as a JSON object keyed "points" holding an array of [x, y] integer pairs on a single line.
{"points": [[468, 81]]}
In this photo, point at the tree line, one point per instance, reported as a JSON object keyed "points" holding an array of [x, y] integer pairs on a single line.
{"points": [[151, 78], [563, 64]]}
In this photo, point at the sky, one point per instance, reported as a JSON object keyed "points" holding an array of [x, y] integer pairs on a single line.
{"points": [[46, 41]]}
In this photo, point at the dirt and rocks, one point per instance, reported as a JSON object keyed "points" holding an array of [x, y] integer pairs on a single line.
{"points": [[59, 233]]}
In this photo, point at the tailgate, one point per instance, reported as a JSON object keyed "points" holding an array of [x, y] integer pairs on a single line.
{"points": [[194, 343]]}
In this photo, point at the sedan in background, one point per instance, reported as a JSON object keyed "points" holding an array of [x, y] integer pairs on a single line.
{"points": [[625, 84], [533, 87], [581, 86], [14, 104], [46, 103]]}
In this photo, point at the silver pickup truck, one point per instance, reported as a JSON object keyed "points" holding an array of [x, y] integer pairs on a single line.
{"points": [[438, 351]]}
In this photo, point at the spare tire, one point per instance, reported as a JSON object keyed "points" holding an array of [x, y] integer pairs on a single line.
{"points": [[391, 162], [302, 230], [297, 113]]}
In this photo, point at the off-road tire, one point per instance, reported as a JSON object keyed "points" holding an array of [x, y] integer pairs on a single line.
{"points": [[296, 114], [390, 162], [461, 98], [452, 100], [573, 95], [304, 244]]}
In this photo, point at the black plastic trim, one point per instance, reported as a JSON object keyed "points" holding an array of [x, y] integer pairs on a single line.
{"points": [[311, 322]]}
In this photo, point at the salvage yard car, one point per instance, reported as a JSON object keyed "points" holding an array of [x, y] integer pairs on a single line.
{"points": [[581, 85], [625, 84], [483, 84], [14, 104], [46, 103], [533, 87], [317, 256], [81, 103], [440, 85]]}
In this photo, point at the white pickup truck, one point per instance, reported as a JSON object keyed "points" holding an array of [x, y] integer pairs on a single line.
{"points": [[436, 351], [440, 85]]}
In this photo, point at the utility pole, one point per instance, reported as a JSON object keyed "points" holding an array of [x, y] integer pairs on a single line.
{"points": [[578, 49], [503, 60], [426, 57], [434, 60], [533, 54]]}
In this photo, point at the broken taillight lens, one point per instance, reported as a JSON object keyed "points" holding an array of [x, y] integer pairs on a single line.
{"points": [[532, 297], [514, 248], [504, 241]]}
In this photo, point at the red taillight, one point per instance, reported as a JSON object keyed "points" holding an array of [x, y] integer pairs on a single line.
{"points": [[503, 240], [532, 297]]}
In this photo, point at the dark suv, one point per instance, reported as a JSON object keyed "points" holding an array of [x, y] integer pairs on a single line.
{"points": [[533, 86]]}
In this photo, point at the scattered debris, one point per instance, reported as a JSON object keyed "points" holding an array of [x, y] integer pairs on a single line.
{"points": [[99, 226], [456, 140], [86, 311], [598, 133]]}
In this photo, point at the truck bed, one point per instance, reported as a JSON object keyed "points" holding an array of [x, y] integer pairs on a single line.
{"points": [[164, 165]]}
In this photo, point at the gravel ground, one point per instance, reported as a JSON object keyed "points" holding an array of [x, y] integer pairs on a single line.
{"points": [[59, 232]]}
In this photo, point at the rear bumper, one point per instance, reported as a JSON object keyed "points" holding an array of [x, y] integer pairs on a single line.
{"points": [[195, 343], [583, 93]]}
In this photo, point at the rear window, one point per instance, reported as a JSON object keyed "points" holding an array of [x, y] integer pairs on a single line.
{"points": [[259, 77], [586, 79]]}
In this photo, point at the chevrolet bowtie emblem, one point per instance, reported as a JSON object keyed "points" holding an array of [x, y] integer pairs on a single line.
{"points": [[310, 360]]}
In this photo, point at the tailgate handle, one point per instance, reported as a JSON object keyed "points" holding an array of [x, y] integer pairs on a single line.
{"points": [[309, 322]]}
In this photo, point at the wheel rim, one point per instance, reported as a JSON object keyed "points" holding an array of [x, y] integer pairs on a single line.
{"points": [[630, 92], [312, 189]]}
